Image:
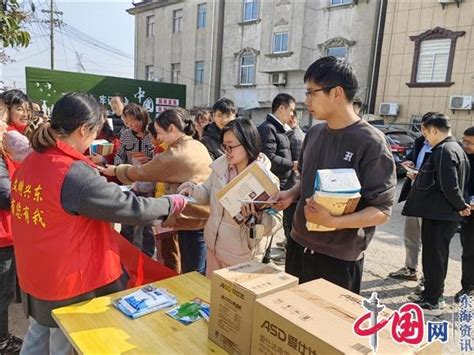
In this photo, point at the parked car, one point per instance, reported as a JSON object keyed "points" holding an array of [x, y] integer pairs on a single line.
{"points": [[401, 143]]}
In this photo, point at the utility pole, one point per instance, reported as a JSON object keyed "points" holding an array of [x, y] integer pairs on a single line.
{"points": [[52, 23]]}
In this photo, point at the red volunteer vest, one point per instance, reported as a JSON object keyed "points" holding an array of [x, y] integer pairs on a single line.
{"points": [[6, 239], [58, 255]]}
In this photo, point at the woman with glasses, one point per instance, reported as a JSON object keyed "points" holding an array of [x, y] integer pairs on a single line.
{"points": [[185, 160], [229, 243]]}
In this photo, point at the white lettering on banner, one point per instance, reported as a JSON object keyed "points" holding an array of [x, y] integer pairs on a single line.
{"points": [[148, 104], [140, 94]]}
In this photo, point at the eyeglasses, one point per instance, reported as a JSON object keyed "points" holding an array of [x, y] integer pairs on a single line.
{"points": [[228, 148], [309, 93]]}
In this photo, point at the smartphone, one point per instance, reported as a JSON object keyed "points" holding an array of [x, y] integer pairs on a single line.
{"points": [[411, 170]]}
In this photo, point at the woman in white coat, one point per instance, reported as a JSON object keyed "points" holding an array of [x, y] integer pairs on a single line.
{"points": [[229, 243]]}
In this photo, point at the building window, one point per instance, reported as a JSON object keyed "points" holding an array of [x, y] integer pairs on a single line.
{"points": [[150, 26], [338, 52], [175, 71], [280, 42], [199, 75], [340, 2], [202, 13], [149, 73], [247, 69], [433, 61], [250, 10], [177, 20], [434, 57]]}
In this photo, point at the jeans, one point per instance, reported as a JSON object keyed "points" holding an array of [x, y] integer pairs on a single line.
{"points": [[41, 340], [146, 234], [193, 251], [7, 276]]}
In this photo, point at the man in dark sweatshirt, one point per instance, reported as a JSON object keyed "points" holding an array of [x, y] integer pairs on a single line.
{"points": [[224, 111], [467, 225], [343, 140], [437, 196]]}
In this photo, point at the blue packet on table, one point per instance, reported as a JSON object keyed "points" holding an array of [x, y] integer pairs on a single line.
{"points": [[146, 300], [190, 312]]}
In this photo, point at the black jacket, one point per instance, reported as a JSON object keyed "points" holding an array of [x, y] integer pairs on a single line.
{"points": [[438, 190], [211, 139], [276, 146], [296, 137], [413, 156]]}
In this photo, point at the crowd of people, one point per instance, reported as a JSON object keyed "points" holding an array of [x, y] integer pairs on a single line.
{"points": [[59, 202]]}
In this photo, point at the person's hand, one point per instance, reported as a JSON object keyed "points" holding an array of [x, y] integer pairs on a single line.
{"points": [[295, 165], [283, 200], [316, 213], [97, 159], [408, 164], [186, 189], [108, 170], [411, 175], [248, 209], [466, 211]]}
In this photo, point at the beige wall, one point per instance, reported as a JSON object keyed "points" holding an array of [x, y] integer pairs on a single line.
{"points": [[407, 18]]}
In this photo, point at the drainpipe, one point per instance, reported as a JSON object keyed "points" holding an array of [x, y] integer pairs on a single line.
{"points": [[377, 52]]}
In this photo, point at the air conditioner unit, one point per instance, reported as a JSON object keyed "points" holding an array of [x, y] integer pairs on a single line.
{"points": [[389, 109], [459, 102], [278, 78], [447, 1]]}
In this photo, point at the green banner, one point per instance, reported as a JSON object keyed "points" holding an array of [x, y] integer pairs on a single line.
{"points": [[47, 86]]}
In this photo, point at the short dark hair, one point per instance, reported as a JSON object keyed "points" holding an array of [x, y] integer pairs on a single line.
{"points": [[469, 131], [427, 116], [329, 72], [247, 135], [282, 100], [138, 113], [439, 121], [225, 105], [179, 117], [119, 95], [15, 97]]}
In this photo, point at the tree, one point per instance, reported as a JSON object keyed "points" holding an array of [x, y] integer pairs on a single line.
{"points": [[12, 19]]}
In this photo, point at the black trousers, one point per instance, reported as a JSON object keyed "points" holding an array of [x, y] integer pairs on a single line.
{"points": [[467, 242], [308, 266], [7, 276], [288, 215], [435, 239]]}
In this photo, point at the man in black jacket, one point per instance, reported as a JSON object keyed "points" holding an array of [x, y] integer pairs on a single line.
{"points": [[467, 225], [276, 145], [224, 111], [412, 228], [437, 196]]}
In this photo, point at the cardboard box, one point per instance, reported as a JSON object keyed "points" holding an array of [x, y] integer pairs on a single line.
{"points": [[317, 318], [233, 294]]}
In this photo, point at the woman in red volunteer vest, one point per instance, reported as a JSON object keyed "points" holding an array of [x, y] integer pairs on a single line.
{"points": [[14, 112], [62, 208]]}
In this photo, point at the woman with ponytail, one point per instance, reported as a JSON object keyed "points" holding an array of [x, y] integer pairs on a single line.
{"points": [[65, 247], [185, 160]]}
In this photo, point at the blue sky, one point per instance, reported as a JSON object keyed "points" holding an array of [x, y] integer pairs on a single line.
{"points": [[105, 20]]}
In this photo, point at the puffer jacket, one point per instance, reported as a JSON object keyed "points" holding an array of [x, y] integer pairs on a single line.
{"points": [[216, 227]]}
